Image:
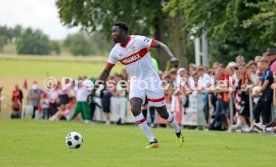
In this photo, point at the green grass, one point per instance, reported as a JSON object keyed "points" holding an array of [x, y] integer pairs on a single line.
{"points": [[41, 143], [52, 67]]}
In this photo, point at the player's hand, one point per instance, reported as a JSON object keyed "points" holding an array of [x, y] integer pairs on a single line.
{"points": [[90, 98], [174, 62]]}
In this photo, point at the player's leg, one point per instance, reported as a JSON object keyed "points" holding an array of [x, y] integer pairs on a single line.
{"points": [[162, 111], [136, 104], [156, 99]]}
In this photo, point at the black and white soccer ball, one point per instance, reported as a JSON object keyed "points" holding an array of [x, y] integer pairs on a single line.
{"points": [[74, 140]]}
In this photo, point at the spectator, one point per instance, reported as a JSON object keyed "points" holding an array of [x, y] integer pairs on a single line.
{"points": [[82, 105], [53, 100], [263, 107], [17, 97], [240, 60], [242, 106], [17, 94], [192, 69], [204, 82], [105, 96], [121, 93], [34, 97], [269, 128], [252, 71], [16, 109], [63, 113], [271, 56], [44, 103], [257, 59]]}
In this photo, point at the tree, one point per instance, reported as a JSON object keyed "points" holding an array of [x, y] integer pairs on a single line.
{"points": [[142, 17], [16, 32], [55, 47], [78, 44], [85, 44], [246, 27], [33, 42], [4, 34]]}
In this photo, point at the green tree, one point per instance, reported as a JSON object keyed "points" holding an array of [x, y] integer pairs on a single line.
{"points": [[33, 42], [142, 17], [79, 44], [234, 27], [4, 34], [16, 32], [55, 47]]}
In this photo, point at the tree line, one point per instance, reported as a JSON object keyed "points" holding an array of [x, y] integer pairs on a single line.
{"points": [[34, 42], [233, 27]]}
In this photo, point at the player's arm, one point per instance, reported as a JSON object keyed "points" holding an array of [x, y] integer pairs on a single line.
{"points": [[264, 86], [159, 45], [102, 78], [105, 73]]}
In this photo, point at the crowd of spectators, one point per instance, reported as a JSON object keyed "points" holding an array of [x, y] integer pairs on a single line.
{"points": [[220, 88]]}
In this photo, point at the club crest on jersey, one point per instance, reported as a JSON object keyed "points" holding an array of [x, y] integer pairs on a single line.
{"points": [[133, 49]]}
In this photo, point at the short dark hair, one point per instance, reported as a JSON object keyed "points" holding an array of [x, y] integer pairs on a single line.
{"points": [[122, 26]]}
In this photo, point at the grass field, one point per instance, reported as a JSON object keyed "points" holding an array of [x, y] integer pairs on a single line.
{"points": [[53, 66], [41, 143], [15, 69]]}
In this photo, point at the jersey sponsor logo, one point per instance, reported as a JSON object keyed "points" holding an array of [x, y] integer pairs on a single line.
{"points": [[134, 57]]}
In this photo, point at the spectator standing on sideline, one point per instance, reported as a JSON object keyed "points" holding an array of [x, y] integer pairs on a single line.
{"points": [[53, 100], [105, 96], [240, 60], [263, 107], [17, 97], [44, 103], [17, 94], [34, 97], [271, 56], [82, 105]]}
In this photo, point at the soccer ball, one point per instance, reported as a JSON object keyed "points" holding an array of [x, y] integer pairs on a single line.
{"points": [[73, 140]]}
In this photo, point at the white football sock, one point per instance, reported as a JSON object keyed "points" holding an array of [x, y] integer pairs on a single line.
{"points": [[172, 122], [142, 124]]}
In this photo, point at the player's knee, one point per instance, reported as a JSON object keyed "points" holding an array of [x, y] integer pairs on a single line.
{"points": [[136, 105]]}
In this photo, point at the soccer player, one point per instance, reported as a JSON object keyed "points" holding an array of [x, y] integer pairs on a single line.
{"points": [[133, 52]]}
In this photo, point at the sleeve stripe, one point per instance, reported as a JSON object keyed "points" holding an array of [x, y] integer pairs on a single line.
{"points": [[152, 43], [109, 64]]}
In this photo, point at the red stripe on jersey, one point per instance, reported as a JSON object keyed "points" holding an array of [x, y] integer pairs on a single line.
{"points": [[134, 57], [152, 43], [157, 100], [141, 121], [109, 64]]}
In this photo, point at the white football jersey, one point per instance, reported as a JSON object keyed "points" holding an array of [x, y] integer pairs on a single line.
{"points": [[135, 56]]}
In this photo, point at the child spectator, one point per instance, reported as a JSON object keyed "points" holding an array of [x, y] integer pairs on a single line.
{"points": [[263, 107], [105, 96], [34, 97], [82, 105], [44, 103], [63, 113], [17, 97]]}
